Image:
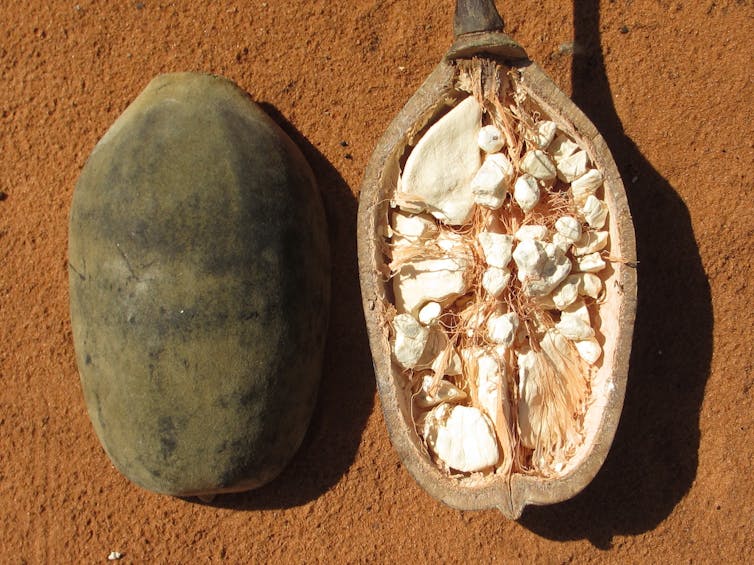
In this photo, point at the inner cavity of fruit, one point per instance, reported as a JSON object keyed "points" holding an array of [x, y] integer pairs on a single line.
{"points": [[497, 249]]}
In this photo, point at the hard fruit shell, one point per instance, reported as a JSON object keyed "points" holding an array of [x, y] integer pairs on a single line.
{"points": [[199, 287], [430, 102]]}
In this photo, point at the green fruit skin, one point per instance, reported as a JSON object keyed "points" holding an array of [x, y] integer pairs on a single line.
{"points": [[200, 288]]}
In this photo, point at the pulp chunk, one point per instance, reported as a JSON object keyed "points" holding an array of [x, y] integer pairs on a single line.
{"points": [[574, 327], [440, 168], [595, 212], [430, 280], [590, 263], [495, 280], [490, 139], [530, 257], [492, 390], [490, 184], [562, 147], [531, 231], [590, 285], [589, 350], [567, 292], [539, 165], [575, 323], [554, 270], [526, 192], [590, 242], [496, 247], [429, 396], [573, 166], [561, 242], [586, 185], [409, 228], [447, 363], [410, 340], [437, 345], [430, 312], [544, 133], [530, 399], [501, 328], [462, 437], [568, 227]]}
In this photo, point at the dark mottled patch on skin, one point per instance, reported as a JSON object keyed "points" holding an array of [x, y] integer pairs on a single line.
{"points": [[100, 417], [168, 438], [248, 315], [240, 461], [247, 398], [88, 359]]}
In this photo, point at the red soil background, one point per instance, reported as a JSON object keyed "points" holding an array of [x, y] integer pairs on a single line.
{"points": [[668, 84]]}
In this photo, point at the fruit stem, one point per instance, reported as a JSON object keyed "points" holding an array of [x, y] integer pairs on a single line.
{"points": [[473, 16]]}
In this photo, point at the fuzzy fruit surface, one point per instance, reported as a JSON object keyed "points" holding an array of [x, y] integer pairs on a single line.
{"points": [[199, 287]]}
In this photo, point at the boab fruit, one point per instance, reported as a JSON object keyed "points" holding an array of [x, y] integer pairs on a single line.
{"points": [[496, 258], [199, 279]]}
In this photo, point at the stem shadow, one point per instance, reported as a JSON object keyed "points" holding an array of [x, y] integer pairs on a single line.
{"points": [[654, 457]]}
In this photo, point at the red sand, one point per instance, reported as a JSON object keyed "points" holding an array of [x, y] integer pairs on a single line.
{"points": [[672, 96]]}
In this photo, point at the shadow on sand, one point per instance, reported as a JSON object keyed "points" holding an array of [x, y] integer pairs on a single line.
{"points": [[653, 460]]}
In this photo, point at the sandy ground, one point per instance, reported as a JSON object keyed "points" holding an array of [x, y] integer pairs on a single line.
{"points": [[668, 84]]}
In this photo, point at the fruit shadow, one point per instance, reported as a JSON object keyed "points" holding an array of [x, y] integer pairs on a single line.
{"points": [[347, 389], [654, 457]]}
